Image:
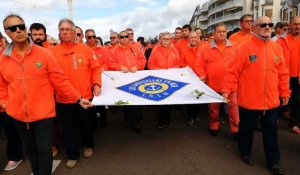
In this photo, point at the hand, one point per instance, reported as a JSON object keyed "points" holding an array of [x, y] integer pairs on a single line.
{"points": [[124, 69], [96, 90], [225, 97], [133, 69], [202, 79], [3, 106], [85, 103], [284, 101]]}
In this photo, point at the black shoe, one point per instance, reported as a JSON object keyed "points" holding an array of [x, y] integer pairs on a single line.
{"points": [[235, 136], [214, 132], [190, 122], [248, 160], [276, 169]]}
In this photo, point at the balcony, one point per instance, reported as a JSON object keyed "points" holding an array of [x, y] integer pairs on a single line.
{"points": [[268, 2], [228, 17], [225, 6]]}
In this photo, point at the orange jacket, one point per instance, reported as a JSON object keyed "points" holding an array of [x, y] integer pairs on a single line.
{"points": [[260, 73], [291, 49], [128, 56], [81, 67], [190, 54], [27, 87], [47, 45], [213, 63], [164, 58], [240, 37], [103, 54]]}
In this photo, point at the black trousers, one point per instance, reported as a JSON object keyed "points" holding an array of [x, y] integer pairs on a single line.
{"points": [[268, 120], [294, 102], [164, 112], [14, 142], [132, 114], [76, 125], [38, 141]]}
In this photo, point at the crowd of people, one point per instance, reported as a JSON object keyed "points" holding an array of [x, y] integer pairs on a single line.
{"points": [[46, 85]]}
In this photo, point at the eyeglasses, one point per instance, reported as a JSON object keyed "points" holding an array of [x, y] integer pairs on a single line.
{"points": [[263, 25], [78, 34], [90, 37], [14, 27], [130, 33], [286, 29], [122, 37], [53, 44], [112, 37]]}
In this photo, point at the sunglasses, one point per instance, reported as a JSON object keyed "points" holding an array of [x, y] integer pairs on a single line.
{"points": [[113, 37], [14, 28], [78, 34], [90, 37], [263, 25], [125, 36], [286, 29]]}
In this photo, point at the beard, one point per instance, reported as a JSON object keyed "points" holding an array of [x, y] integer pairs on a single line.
{"points": [[38, 42]]}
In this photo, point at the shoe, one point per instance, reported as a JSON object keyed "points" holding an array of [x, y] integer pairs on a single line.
{"points": [[276, 169], [190, 122], [295, 130], [248, 160], [54, 151], [12, 165], [235, 135], [136, 128], [161, 126], [87, 152], [71, 163], [214, 132]]}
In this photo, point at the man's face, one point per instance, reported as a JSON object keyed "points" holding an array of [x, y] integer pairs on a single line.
{"points": [[124, 39], [199, 32], [166, 40], [263, 27], [79, 35], [113, 38], [66, 32], [220, 34], [247, 23], [130, 34], [282, 30], [295, 26], [38, 36], [185, 32], [15, 29], [178, 34], [194, 39], [90, 38]]}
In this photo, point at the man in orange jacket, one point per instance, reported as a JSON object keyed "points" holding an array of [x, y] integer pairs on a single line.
{"points": [[164, 56], [189, 53], [211, 67], [38, 35], [128, 57], [259, 73], [290, 42], [83, 70], [245, 33], [28, 76]]}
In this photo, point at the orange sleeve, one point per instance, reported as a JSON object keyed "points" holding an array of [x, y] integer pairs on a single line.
{"points": [[200, 64], [283, 77], [60, 82], [152, 62], [95, 68], [233, 73]]}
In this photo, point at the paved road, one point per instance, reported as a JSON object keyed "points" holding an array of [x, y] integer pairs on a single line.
{"points": [[177, 150]]}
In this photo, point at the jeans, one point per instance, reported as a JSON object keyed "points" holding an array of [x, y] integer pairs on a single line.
{"points": [[268, 120], [38, 141]]}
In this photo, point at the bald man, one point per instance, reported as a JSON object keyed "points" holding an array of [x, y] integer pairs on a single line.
{"points": [[262, 79]]}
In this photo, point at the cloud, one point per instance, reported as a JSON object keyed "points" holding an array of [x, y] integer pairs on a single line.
{"points": [[147, 17]]}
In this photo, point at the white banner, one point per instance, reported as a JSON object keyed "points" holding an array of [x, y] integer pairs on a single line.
{"points": [[154, 87]]}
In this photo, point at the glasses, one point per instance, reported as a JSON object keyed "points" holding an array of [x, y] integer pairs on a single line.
{"points": [[122, 37], [90, 37], [250, 21], [286, 29], [78, 34], [14, 28], [112, 37], [53, 44], [130, 33], [263, 25]]}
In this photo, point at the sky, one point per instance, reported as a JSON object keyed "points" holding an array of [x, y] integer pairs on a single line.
{"points": [[146, 17]]}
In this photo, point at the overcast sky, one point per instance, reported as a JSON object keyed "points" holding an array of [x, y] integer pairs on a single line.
{"points": [[146, 17]]}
